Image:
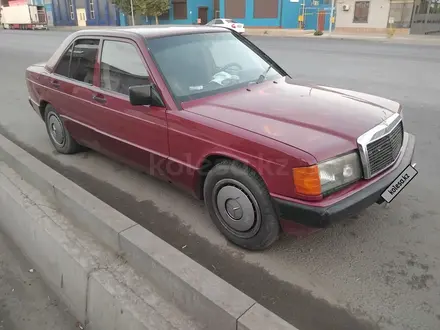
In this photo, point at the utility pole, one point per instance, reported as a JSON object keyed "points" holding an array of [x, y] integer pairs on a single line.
{"points": [[132, 12], [332, 11]]}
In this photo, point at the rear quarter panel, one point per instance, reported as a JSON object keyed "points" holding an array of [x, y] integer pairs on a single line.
{"points": [[37, 78]]}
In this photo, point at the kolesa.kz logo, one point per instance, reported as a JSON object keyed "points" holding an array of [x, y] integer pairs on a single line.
{"points": [[395, 187]]}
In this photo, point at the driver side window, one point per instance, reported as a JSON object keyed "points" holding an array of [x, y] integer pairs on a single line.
{"points": [[122, 67]]}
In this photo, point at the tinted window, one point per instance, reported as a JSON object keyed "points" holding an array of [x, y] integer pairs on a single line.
{"points": [[63, 65], [121, 67], [218, 21], [198, 65], [82, 61]]}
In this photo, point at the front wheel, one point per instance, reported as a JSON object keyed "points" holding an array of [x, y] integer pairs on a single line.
{"points": [[240, 206]]}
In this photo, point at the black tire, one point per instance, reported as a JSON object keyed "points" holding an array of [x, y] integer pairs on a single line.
{"points": [[60, 138], [232, 182]]}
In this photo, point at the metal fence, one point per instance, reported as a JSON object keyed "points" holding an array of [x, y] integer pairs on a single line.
{"points": [[426, 17], [400, 15]]}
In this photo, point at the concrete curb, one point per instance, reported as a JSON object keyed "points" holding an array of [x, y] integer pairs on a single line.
{"points": [[193, 289], [99, 288]]}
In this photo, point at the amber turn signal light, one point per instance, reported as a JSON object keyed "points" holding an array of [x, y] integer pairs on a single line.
{"points": [[307, 181]]}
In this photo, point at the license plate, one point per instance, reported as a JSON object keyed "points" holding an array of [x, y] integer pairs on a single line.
{"points": [[401, 182]]}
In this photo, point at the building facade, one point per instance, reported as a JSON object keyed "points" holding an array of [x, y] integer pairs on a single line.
{"points": [[84, 12], [180, 12], [426, 17], [362, 16], [404, 16], [307, 14]]}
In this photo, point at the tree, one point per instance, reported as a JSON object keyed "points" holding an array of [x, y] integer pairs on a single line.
{"points": [[125, 6], [154, 8]]}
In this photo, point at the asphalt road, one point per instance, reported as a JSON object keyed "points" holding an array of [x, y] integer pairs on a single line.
{"points": [[380, 269]]}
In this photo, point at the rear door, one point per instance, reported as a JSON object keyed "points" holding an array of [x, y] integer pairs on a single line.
{"points": [[137, 134], [72, 82]]}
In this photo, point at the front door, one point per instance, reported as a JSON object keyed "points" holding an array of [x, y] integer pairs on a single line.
{"points": [[321, 20], [81, 16], [203, 15], [135, 134]]}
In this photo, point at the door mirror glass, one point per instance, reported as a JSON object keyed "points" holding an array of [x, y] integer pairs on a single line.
{"points": [[141, 95]]}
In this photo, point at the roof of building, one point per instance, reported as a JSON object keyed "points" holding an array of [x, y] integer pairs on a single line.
{"points": [[153, 31]]}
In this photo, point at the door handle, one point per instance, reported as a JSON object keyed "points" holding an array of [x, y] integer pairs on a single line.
{"points": [[55, 83], [99, 98]]}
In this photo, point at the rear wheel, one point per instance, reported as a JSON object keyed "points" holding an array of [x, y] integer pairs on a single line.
{"points": [[58, 134], [240, 206]]}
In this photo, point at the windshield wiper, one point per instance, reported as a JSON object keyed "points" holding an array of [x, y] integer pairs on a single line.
{"points": [[262, 77]]}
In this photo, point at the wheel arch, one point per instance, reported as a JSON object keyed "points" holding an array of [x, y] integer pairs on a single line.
{"points": [[42, 108], [211, 160]]}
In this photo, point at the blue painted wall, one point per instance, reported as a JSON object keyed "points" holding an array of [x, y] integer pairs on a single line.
{"points": [[61, 15], [249, 19], [312, 18], [105, 12], [49, 13], [288, 13], [192, 13]]}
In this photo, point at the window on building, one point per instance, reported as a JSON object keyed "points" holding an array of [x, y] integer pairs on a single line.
{"points": [[265, 8], [180, 9], [361, 10], [72, 14], [79, 64], [92, 9], [122, 67], [235, 8]]}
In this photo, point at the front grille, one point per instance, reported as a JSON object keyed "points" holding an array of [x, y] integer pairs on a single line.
{"points": [[384, 151]]}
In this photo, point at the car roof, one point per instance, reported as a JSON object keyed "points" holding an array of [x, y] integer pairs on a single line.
{"points": [[151, 31]]}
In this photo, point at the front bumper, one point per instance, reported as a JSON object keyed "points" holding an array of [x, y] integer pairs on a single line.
{"points": [[319, 217]]}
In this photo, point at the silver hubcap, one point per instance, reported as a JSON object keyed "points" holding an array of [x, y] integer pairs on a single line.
{"points": [[56, 130], [237, 208]]}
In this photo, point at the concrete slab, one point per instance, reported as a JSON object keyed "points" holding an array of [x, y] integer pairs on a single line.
{"points": [[258, 318], [26, 301], [112, 306], [190, 286], [62, 262], [96, 285], [90, 212]]}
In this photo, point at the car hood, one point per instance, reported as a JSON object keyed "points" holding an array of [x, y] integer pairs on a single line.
{"points": [[322, 121]]}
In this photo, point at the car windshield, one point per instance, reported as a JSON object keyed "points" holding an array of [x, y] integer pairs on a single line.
{"points": [[200, 65]]}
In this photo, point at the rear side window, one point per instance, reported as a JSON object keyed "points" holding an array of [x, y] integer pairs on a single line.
{"points": [[122, 67], [78, 62], [64, 63], [218, 21]]}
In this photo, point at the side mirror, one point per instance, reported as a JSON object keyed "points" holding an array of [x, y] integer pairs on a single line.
{"points": [[141, 95]]}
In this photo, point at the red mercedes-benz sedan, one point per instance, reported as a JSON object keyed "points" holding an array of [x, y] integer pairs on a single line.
{"points": [[205, 109]]}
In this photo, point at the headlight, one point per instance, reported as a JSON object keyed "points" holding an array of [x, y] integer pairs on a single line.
{"points": [[339, 172], [327, 176]]}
